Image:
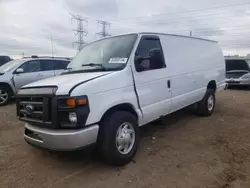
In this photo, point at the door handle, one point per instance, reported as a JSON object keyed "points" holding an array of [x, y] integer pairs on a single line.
{"points": [[39, 75], [169, 84]]}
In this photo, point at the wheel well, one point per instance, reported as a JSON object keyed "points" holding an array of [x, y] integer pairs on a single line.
{"points": [[212, 85], [121, 107], [3, 84]]}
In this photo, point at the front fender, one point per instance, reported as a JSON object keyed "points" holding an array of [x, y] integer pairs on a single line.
{"points": [[100, 103]]}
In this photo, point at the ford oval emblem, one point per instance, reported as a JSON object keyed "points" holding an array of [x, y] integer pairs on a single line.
{"points": [[29, 108]]}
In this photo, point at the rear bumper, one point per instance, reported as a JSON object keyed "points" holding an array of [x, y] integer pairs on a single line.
{"points": [[61, 140]]}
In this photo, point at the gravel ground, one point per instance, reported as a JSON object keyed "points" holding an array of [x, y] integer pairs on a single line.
{"points": [[180, 151]]}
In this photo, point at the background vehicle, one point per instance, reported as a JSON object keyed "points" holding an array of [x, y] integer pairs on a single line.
{"points": [[116, 85], [237, 72], [4, 59], [17, 73]]}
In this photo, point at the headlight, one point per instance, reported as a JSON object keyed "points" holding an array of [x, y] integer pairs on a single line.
{"points": [[73, 117], [73, 111]]}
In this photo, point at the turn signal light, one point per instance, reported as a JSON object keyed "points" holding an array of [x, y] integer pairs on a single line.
{"points": [[71, 102]]}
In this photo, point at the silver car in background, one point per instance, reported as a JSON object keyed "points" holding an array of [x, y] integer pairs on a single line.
{"points": [[237, 72], [17, 73]]}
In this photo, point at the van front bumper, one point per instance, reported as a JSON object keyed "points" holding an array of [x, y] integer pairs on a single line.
{"points": [[61, 140]]}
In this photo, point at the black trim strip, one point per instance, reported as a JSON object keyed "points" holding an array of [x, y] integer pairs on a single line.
{"points": [[75, 86], [136, 93], [91, 125]]}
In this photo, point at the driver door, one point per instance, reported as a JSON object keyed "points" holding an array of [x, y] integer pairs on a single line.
{"points": [[31, 73], [152, 83]]}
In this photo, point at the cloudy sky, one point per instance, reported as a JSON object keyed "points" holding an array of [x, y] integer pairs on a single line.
{"points": [[27, 26]]}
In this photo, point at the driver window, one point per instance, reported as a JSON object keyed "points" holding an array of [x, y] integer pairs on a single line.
{"points": [[31, 66], [146, 44]]}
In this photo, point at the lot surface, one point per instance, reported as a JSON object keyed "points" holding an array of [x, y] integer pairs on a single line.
{"points": [[182, 151]]}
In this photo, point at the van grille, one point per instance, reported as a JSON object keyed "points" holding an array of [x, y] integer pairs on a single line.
{"points": [[35, 109]]}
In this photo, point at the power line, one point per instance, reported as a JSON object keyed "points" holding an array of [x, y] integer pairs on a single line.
{"points": [[80, 31], [104, 26], [189, 11], [208, 30], [174, 21]]}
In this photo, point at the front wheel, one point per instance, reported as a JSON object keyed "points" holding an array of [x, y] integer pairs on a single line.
{"points": [[5, 96], [118, 138], [206, 106]]}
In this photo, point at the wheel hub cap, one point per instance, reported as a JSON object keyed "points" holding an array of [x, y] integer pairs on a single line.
{"points": [[125, 138], [3, 96], [210, 103]]}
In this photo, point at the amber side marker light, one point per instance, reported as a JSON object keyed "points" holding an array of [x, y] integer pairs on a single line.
{"points": [[76, 102], [81, 101]]}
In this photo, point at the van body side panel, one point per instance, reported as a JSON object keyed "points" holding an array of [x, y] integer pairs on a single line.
{"points": [[192, 64], [108, 91]]}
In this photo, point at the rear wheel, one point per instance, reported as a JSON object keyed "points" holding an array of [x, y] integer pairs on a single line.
{"points": [[206, 106], [5, 95], [118, 138]]}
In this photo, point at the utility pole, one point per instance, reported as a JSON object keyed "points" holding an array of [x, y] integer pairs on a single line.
{"points": [[52, 47], [81, 30], [104, 26], [190, 34]]}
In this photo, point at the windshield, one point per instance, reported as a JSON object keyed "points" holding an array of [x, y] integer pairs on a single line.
{"points": [[107, 54], [248, 62], [234, 65], [8, 66]]}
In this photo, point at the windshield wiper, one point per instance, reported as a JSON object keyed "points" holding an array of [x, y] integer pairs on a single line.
{"points": [[94, 65]]}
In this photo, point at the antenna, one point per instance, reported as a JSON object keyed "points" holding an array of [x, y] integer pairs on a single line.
{"points": [[80, 31]]}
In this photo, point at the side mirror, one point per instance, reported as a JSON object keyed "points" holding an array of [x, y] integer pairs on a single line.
{"points": [[155, 60], [155, 54], [138, 61], [19, 70]]}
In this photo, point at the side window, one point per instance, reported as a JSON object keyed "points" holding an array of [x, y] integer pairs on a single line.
{"points": [[143, 53], [31, 66], [47, 65], [61, 65], [4, 59]]}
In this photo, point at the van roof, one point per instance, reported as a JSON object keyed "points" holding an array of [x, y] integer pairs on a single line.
{"points": [[169, 34], [155, 33], [236, 58]]}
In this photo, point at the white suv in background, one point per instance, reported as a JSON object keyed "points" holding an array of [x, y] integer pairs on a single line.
{"points": [[17, 73]]}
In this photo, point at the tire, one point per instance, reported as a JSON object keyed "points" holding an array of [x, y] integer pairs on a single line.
{"points": [[4, 92], [206, 107], [108, 142]]}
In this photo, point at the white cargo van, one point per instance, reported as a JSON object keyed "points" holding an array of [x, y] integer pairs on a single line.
{"points": [[116, 85]]}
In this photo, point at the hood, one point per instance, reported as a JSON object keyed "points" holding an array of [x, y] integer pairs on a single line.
{"points": [[236, 73], [66, 82]]}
